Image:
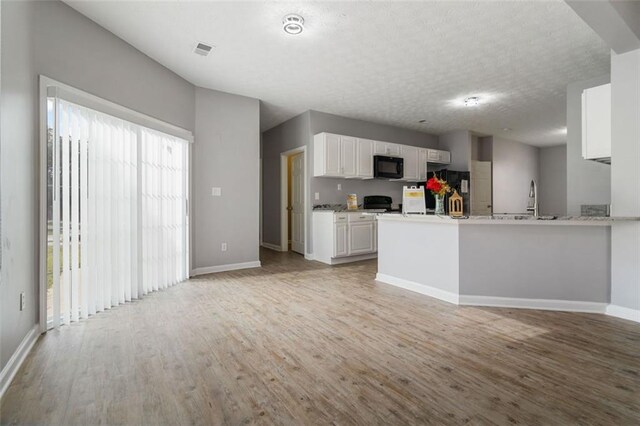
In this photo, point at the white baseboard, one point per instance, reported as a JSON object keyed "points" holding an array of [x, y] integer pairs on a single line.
{"points": [[350, 259], [271, 246], [542, 304], [623, 312], [223, 268], [309, 256], [419, 288], [13, 365]]}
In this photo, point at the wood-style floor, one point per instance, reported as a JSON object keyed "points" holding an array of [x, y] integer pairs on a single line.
{"points": [[298, 342]]}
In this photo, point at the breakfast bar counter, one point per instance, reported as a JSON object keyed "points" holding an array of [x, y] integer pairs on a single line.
{"points": [[508, 261]]}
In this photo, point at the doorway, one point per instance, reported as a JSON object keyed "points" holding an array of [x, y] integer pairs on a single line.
{"points": [[481, 188], [294, 178]]}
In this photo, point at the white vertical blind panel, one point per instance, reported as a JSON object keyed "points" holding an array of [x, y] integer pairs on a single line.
{"points": [[75, 211], [100, 207], [93, 179], [85, 242], [65, 289], [55, 267]]}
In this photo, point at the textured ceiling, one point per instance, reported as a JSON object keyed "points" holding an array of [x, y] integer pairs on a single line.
{"points": [[388, 62]]}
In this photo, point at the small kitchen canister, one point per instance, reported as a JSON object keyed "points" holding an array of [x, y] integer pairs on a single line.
{"points": [[352, 202]]}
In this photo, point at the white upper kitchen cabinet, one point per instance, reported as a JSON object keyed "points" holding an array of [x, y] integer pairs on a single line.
{"points": [[422, 155], [596, 123], [438, 156], [326, 155], [386, 148], [364, 167], [411, 156], [348, 146]]}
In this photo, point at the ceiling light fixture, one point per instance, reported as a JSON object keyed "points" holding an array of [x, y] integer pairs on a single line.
{"points": [[472, 101], [293, 24]]}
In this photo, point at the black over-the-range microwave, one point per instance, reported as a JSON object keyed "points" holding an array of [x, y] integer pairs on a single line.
{"points": [[388, 167]]}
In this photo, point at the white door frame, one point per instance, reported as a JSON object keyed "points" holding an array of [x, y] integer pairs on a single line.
{"points": [[284, 180]]}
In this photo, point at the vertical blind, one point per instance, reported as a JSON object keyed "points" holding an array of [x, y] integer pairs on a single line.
{"points": [[118, 220]]}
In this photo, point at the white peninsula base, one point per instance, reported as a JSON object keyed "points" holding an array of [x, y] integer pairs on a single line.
{"points": [[557, 265]]}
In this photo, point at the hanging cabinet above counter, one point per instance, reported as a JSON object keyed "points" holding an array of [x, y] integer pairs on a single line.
{"points": [[352, 158], [596, 124]]}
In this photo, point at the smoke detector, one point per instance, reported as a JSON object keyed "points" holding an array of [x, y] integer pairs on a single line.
{"points": [[202, 49], [293, 24]]}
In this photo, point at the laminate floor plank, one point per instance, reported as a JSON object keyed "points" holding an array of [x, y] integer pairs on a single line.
{"points": [[299, 342]]}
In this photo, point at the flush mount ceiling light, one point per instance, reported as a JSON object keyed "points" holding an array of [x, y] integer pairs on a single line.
{"points": [[472, 101], [293, 24]]}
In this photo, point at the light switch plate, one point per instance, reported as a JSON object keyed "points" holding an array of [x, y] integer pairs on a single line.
{"points": [[339, 187], [223, 246], [216, 191], [317, 196]]}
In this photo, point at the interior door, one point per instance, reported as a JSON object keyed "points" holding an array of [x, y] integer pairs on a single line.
{"points": [[297, 203], [481, 188]]}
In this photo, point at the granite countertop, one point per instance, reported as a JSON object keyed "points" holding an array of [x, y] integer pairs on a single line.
{"points": [[511, 219]]}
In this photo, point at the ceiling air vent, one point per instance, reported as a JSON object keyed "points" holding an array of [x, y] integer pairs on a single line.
{"points": [[202, 49]]}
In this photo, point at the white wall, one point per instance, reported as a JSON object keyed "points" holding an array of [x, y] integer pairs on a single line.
{"points": [[552, 180], [226, 155], [588, 182], [625, 179], [514, 166]]}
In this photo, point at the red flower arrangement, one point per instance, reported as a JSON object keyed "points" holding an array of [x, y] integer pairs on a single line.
{"points": [[438, 186]]}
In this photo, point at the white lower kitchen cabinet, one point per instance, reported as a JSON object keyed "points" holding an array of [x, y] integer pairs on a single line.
{"points": [[341, 237]]}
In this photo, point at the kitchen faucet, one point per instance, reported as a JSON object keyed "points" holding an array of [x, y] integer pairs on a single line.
{"points": [[532, 205]]}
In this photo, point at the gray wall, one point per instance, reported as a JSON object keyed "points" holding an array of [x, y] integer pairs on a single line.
{"points": [[588, 182], [291, 134], [299, 132], [552, 180], [514, 166], [577, 260], [226, 155], [52, 39], [459, 144]]}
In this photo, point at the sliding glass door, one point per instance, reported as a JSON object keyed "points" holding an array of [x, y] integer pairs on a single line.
{"points": [[117, 223]]}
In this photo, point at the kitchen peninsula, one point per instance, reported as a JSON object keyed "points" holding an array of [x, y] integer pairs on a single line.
{"points": [[518, 262]]}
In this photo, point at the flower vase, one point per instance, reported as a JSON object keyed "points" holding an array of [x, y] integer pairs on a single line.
{"points": [[439, 205]]}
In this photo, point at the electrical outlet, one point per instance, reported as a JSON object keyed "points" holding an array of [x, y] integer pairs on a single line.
{"points": [[339, 187], [216, 191], [23, 301], [223, 247], [317, 195]]}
